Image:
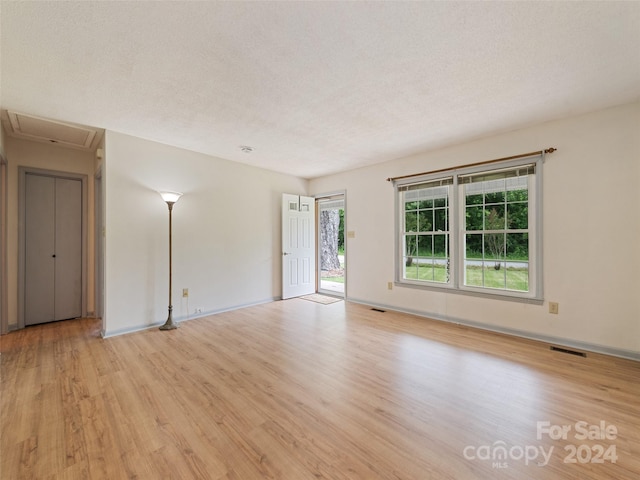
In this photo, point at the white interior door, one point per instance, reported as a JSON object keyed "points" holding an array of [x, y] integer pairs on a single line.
{"points": [[298, 246]]}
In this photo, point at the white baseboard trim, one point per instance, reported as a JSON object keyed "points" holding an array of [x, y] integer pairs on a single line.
{"points": [[185, 318], [558, 341]]}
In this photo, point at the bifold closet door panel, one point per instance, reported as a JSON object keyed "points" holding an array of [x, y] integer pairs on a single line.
{"points": [[39, 299], [68, 241]]}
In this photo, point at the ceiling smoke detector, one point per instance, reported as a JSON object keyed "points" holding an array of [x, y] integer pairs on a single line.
{"points": [[246, 149]]}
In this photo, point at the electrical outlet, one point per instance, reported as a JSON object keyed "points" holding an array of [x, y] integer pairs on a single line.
{"points": [[198, 310], [553, 307], [389, 285], [185, 292]]}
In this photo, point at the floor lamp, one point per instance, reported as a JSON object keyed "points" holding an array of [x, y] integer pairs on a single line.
{"points": [[170, 198]]}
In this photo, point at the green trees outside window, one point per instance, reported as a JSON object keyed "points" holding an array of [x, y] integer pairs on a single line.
{"points": [[426, 238], [470, 229], [496, 233]]}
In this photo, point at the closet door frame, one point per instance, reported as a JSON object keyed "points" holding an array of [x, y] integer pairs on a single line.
{"points": [[22, 174]]}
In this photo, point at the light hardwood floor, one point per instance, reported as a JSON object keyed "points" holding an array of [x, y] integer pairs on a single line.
{"points": [[298, 390]]}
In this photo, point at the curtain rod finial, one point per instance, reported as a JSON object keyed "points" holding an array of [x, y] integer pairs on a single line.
{"points": [[550, 150]]}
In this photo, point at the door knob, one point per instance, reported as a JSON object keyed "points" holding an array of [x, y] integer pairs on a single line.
{"points": [[54, 255]]}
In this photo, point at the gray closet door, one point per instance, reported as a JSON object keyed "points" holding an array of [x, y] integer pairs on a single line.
{"points": [[39, 249], [53, 249]]}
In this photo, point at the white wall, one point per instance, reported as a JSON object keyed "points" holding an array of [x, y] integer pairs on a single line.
{"points": [[591, 232], [226, 232], [23, 153]]}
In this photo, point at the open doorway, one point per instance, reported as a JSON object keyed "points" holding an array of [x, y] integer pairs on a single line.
{"points": [[331, 245]]}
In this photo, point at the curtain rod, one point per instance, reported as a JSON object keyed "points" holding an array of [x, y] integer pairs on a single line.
{"points": [[486, 162]]}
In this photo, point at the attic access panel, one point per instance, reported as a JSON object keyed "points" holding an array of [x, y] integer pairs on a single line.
{"points": [[44, 130]]}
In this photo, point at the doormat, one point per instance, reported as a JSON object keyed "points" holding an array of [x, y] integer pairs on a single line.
{"points": [[323, 299]]}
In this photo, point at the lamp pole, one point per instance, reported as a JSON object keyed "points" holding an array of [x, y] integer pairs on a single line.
{"points": [[171, 198]]}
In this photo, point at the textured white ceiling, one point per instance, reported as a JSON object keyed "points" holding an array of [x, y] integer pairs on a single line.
{"points": [[316, 87]]}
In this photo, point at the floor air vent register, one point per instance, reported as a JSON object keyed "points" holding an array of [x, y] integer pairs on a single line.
{"points": [[566, 350]]}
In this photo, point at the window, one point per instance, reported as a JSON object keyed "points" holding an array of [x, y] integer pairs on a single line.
{"points": [[472, 230], [426, 239]]}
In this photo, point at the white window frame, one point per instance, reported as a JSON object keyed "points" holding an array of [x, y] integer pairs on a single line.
{"points": [[402, 243], [457, 232]]}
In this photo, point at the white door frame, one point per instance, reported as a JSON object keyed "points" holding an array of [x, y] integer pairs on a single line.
{"points": [[98, 203], [22, 175], [4, 309]]}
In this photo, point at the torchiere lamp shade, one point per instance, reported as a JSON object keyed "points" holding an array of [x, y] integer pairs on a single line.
{"points": [[170, 197]]}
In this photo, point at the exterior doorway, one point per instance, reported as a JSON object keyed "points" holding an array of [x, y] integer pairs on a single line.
{"points": [[331, 245]]}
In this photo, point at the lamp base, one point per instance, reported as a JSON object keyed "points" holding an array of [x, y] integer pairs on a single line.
{"points": [[169, 325]]}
